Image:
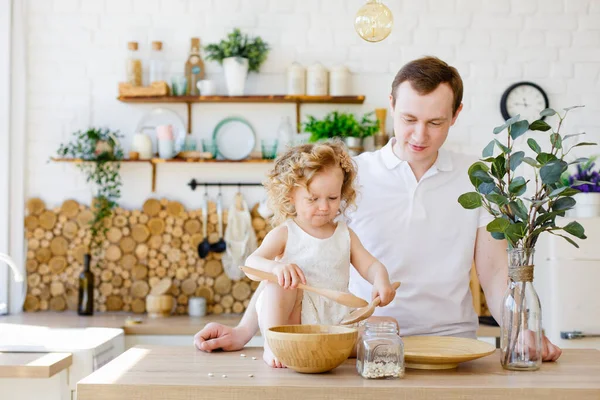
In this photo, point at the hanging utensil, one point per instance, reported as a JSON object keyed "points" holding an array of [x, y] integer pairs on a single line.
{"points": [[220, 245], [365, 312], [347, 299], [204, 246]]}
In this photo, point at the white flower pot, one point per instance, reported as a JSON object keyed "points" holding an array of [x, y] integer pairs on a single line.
{"points": [[236, 71], [588, 205], [354, 145]]}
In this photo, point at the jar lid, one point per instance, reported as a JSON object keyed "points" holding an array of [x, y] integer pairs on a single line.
{"points": [[382, 327], [157, 45], [132, 45]]}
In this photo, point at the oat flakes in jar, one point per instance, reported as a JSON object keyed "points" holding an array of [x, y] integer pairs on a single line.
{"points": [[380, 353]]}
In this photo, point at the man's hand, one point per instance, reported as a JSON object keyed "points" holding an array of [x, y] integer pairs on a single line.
{"points": [[217, 336]]}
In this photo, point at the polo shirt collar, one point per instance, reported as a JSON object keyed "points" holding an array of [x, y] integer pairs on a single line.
{"points": [[391, 160]]}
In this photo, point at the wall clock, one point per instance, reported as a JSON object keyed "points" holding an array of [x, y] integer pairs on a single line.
{"points": [[524, 98]]}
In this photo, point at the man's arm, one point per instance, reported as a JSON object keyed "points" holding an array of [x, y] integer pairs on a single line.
{"points": [[217, 336], [491, 263]]}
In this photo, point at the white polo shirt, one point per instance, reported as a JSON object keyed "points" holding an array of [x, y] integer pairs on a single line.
{"points": [[423, 236]]}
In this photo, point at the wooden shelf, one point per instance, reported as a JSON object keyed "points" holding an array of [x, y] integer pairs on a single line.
{"points": [[297, 100], [153, 162]]}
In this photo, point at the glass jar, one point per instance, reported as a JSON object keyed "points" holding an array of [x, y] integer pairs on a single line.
{"points": [[133, 66], [521, 327], [380, 353]]}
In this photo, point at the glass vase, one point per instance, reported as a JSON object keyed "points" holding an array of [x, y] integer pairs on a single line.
{"points": [[521, 326]]}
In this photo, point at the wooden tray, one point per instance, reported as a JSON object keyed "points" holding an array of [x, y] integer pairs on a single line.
{"points": [[442, 352]]}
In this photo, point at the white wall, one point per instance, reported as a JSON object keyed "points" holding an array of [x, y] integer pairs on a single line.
{"points": [[76, 50]]}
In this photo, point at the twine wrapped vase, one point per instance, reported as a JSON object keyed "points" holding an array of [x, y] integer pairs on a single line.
{"points": [[521, 318]]}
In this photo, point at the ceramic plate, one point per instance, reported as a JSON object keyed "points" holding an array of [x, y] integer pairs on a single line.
{"points": [[235, 138], [442, 352]]}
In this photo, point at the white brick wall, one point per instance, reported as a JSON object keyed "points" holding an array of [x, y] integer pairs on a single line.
{"points": [[76, 50]]}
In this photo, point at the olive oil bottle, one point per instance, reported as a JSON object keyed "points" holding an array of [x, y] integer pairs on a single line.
{"points": [[85, 305], [194, 68]]}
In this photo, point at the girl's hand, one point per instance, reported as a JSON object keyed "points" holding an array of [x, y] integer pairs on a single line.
{"points": [[385, 291], [289, 275]]}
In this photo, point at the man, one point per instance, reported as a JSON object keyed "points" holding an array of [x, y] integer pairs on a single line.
{"points": [[409, 218]]}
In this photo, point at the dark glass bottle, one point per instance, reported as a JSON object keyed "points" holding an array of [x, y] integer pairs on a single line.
{"points": [[85, 304]]}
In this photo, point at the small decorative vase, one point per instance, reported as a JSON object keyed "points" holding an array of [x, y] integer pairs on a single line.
{"points": [[236, 71], [521, 321]]}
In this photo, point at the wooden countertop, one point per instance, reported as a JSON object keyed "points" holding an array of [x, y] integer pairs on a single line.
{"points": [[33, 365], [177, 373], [174, 325]]}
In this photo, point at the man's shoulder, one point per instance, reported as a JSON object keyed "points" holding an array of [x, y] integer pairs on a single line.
{"points": [[461, 161]]}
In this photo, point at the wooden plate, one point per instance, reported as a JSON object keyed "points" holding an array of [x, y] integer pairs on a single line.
{"points": [[442, 352]]}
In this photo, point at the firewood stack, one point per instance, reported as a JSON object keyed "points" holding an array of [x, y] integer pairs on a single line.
{"points": [[141, 247]]}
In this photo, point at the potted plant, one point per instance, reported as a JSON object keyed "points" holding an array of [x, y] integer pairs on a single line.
{"points": [[238, 55], [587, 181], [344, 126], [520, 216], [100, 153]]}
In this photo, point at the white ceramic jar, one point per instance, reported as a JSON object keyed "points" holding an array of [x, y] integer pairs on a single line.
{"points": [[296, 80], [339, 81], [317, 80], [143, 145]]}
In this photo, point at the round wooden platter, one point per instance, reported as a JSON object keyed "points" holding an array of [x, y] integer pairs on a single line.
{"points": [[442, 352]]}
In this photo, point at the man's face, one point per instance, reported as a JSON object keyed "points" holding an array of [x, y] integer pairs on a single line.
{"points": [[422, 122]]}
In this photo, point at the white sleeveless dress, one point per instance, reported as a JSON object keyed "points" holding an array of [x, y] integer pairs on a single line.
{"points": [[326, 264]]}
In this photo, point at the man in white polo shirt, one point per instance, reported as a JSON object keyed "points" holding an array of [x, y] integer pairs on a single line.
{"points": [[408, 217]]}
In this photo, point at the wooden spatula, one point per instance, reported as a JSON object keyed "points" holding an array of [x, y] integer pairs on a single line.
{"points": [[364, 312], [347, 299]]}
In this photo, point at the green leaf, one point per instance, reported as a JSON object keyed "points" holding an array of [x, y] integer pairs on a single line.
{"points": [[534, 146], [572, 107], [518, 129], [531, 162], [580, 160], [504, 149], [573, 135], [543, 218], [563, 191], [498, 235], [506, 124], [551, 171], [516, 231], [497, 199], [544, 158], [563, 203], [568, 239], [498, 225], [470, 200], [486, 188], [584, 144], [483, 176], [547, 112], [488, 151], [539, 125], [518, 186], [556, 140], [499, 167], [575, 229], [478, 166], [518, 208], [516, 159]]}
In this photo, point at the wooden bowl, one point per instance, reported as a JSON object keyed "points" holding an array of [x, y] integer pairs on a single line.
{"points": [[311, 348], [159, 306], [442, 352]]}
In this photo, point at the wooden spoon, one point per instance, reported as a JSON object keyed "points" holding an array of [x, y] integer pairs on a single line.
{"points": [[347, 299], [365, 312]]}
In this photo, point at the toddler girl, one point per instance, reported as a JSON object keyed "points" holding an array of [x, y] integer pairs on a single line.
{"points": [[308, 188]]}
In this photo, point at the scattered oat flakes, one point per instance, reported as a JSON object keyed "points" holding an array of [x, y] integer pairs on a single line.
{"points": [[251, 376], [242, 355], [254, 358], [224, 376], [211, 374]]}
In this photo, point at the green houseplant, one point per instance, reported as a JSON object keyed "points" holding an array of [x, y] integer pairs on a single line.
{"points": [[520, 216], [100, 152], [342, 125], [239, 54]]}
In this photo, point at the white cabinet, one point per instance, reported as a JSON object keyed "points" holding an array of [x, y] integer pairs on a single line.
{"points": [[569, 286]]}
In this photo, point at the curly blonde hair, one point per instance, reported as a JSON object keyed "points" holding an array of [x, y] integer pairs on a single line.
{"points": [[297, 167]]}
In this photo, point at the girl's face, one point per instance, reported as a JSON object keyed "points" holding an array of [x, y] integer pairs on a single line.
{"points": [[319, 204]]}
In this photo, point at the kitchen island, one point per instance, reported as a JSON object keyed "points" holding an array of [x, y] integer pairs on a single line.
{"points": [[160, 372]]}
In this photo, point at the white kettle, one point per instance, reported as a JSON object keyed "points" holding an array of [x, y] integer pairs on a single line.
{"points": [[6, 258]]}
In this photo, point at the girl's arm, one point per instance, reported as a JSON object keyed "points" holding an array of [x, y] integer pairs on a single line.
{"points": [[272, 246], [371, 269]]}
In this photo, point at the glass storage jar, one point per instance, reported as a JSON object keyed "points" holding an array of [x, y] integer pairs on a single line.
{"points": [[380, 353]]}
